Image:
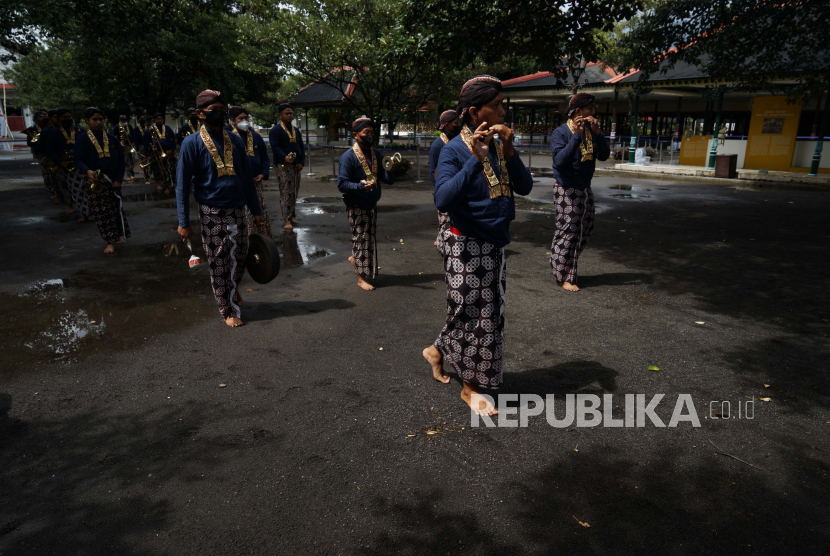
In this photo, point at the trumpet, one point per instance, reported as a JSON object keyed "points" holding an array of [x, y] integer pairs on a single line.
{"points": [[389, 162], [291, 158], [96, 186]]}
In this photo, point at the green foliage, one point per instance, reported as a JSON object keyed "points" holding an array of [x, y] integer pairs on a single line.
{"points": [[403, 167], [747, 42], [140, 52]]}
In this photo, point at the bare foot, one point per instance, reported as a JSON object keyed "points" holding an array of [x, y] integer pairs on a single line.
{"points": [[71, 210], [146, 183], [434, 358], [363, 284], [158, 188], [130, 180], [121, 239], [294, 221], [82, 219], [288, 225], [567, 286], [110, 249], [53, 196], [233, 322], [435, 243], [239, 300], [351, 260], [476, 401]]}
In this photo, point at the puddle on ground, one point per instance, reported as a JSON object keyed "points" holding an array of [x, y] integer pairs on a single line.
{"points": [[66, 319], [630, 196], [319, 200], [395, 208], [298, 248], [29, 220], [626, 187], [523, 203]]}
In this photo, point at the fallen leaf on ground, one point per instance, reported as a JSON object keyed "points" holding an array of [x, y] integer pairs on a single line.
{"points": [[575, 448], [766, 385], [765, 399], [435, 432], [92, 322], [380, 349], [584, 524], [410, 435], [653, 368], [699, 322], [222, 385], [249, 290]]}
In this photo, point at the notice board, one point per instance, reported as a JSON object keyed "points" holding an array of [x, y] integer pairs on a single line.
{"points": [[772, 133]]}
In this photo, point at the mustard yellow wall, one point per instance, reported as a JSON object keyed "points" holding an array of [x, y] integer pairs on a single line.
{"points": [[770, 150], [693, 151]]}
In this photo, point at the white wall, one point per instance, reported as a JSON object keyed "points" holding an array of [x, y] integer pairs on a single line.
{"points": [[731, 146], [803, 155]]}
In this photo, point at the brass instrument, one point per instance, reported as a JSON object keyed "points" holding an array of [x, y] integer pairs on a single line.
{"points": [[35, 137], [96, 186], [53, 168], [124, 136], [158, 154], [389, 162], [291, 158]]}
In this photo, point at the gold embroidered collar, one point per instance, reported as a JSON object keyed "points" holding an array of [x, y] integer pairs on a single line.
{"points": [[249, 147], [586, 147], [161, 133], [222, 168], [70, 137], [498, 186], [370, 172], [105, 152], [444, 138], [292, 136]]}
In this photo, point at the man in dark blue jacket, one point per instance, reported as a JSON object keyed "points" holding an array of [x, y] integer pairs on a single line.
{"points": [[138, 142], [124, 131], [575, 146], [257, 157], [449, 127], [359, 180], [289, 159], [214, 161], [160, 145]]}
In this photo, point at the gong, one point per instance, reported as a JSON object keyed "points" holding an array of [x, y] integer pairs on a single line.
{"points": [[263, 260]]}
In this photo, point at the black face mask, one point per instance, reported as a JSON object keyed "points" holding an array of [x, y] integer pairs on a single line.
{"points": [[67, 124], [367, 140], [215, 117]]}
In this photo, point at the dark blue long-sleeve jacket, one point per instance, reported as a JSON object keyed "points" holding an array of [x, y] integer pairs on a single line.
{"points": [[168, 142], [281, 145], [196, 164], [462, 190], [350, 174], [567, 168], [86, 155], [434, 153], [56, 144], [259, 161], [138, 135]]}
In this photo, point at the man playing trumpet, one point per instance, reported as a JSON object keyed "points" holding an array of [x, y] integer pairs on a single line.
{"points": [[359, 181], [124, 131], [575, 146], [289, 158], [160, 146]]}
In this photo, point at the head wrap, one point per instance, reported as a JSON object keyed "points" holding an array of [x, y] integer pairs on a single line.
{"points": [[208, 97], [448, 116], [579, 100], [62, 111], [91, 111], [360, 124], [52, 112], [122, 118], [39, 113], [477, 92], [283, 106], [235, 111], [190, 110], [158, 115]]}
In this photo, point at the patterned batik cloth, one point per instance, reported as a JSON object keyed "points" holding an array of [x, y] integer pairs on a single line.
{"points": [[443, 226], [364, 225], [48, 180], [164, 172], [75, 183], [574, 224], [225, 239], [108, 210], [130, 160], [249, 217], [289, 184], [472, 340]]}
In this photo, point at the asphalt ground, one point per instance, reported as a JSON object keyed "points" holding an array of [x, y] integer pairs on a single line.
{"points": [[117, 436]]}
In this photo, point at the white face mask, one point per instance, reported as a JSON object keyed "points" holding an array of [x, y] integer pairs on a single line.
{"points": [[243, 125]]}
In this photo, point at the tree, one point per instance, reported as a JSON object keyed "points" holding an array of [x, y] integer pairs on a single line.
{"points": [[149, 52], [749, 42]]}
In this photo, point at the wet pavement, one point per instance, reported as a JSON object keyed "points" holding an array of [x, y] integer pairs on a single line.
{"points": [[132, 421]]}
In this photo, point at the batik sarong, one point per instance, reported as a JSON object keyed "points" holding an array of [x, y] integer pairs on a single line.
{"points": [[75, 182], [443, 226], [363, 224], [108, 210], [164, 171], [289, 184], [225, 239], [130, 160], [49, 180], [249, 217], [574, 224], [472, 340], [145, 169]]}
